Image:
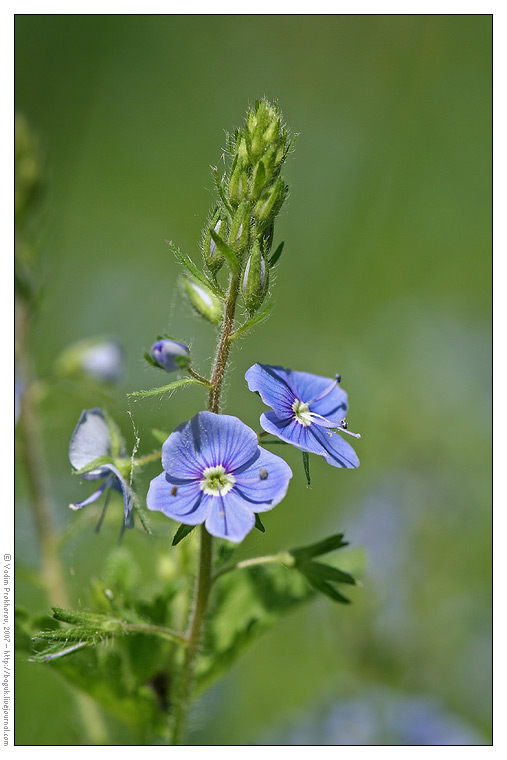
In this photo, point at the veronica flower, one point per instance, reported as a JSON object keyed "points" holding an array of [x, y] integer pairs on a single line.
{"points": [[171, 355], [217, 474], [306, 411], [92, 441], [104, 361]]}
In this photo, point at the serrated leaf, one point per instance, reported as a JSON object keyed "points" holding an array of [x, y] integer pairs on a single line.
{"points": [[252, 322], [258, 523], [189, 265], [320, 547], [306, 465], [167, 388], [329, 573], [320, 584], [182, 533], [276, 255]]}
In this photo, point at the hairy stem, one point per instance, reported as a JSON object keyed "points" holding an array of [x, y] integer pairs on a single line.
{"points": [[283, 558], [204, 576], [156, 630]]}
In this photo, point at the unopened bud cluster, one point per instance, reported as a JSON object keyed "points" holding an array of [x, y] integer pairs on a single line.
{"points": [[251, 194]]}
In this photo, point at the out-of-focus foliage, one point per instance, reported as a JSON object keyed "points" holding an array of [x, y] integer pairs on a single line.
{"points": [[385, 278]]}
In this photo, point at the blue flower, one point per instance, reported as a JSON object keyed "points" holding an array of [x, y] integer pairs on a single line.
{"points": [[104, 361], [217, 474], [92, 440], [307, 410], [171, 355]]}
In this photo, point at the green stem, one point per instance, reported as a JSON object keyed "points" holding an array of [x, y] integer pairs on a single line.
{"points": [[34, 465], [196, 376], [283, 558], [182, 702], [157, 630], [32, 452], [204, 577], [147, 458]]}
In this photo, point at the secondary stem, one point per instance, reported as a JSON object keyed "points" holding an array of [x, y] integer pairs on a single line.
{"points": [[35, 471], [283, 558], [204, 576]]}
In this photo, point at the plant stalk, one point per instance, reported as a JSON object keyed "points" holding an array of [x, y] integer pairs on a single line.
{"points": [[204, 576]]}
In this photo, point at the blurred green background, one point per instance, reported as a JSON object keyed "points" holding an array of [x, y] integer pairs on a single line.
{"points": [[385, 278]]}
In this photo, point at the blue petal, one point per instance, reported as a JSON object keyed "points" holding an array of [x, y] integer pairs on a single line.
{"points": [[208, 440], [90, 439], [128, 512], [95, 495], [274, 386], [184, 503], [229, 517], [311, 438], [264, 484], [290, 431], [336, 451]]}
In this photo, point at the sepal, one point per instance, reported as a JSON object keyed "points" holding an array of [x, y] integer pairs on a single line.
{"points": [[255, 279], [204, 301]]}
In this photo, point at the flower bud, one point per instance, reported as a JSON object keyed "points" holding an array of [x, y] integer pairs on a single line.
{"points": [[212, 256], [204, 301], [268, 206], [254, 283], [171, 355], [101, 360], [240, 228], [238, 185]]}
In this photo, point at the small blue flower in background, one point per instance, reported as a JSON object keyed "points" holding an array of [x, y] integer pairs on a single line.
{"points": [[307, 410], [91, 440], [104, 361], [171, 355], [217, 474]]}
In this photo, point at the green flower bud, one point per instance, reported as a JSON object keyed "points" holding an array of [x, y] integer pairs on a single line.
{"points": [[268, 206], [238, 185], [212, 256], [255, 279], [240, 228], [203, 300]]}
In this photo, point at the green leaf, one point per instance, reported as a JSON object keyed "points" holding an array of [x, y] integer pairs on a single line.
{"points": [[182, 533], [189, 265], [306, 465], [320, 584], [167, 388], [274, 258], [93, 465], [246, 604], [159, 435], [226, 251], [258, 523], [252, 322], [330, 573], [320, 547], [220, 190], [149, 358]]}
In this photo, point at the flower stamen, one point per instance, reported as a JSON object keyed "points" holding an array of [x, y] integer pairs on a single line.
{"points": [[216, 481]]}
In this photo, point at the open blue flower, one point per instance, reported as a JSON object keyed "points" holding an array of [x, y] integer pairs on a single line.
{"points": [[217, 474], [91, 441], [307, 410]]}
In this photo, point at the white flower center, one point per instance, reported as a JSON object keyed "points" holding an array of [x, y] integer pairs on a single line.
{"points": [[216, 481], [302, 413]]}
